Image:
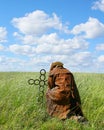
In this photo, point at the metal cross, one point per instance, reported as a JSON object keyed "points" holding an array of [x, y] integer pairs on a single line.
{"points": [[41, 82]]}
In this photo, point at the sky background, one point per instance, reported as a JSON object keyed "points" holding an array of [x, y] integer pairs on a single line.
{"points": [[35, 33]]}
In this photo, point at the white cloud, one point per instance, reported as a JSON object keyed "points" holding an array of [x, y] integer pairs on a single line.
{"points": [[61, 46], [27, 39], [99, 4], [50, 44], [12, 64], [93, 28], [22, 49], [1, 47], [77, 60], [42, 44], [49, 39], [100, 47], [3, 34], [50, 48], [82, 59], [101, 59], [38, 22]]}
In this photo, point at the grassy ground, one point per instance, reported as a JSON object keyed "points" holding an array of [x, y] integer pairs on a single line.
{"points": [[19, 109]]}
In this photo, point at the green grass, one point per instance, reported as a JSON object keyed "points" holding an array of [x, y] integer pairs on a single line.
{"points": [[19, 109]]}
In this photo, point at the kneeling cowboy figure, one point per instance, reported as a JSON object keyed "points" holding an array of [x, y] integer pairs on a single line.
{"points": [[62, 96]]}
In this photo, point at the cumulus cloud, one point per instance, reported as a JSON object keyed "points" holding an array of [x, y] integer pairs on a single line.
{"points": [[82, 59], [3, 34], [21, 49], [61, 46], [38, 22], [1, 47], [26, 39], [100, 47], [99, 4], [50, 44], [101, 59], [41, 42], [51, 38], [12, 64], [93, 28]]}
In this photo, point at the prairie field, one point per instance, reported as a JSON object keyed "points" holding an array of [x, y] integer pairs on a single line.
{"points": [[21, 110]]}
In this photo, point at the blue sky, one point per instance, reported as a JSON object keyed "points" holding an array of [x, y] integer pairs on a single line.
{"points": [[35, 33]]}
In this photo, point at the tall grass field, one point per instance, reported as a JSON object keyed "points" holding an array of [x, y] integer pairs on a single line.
{"points": [[20, 109]]}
